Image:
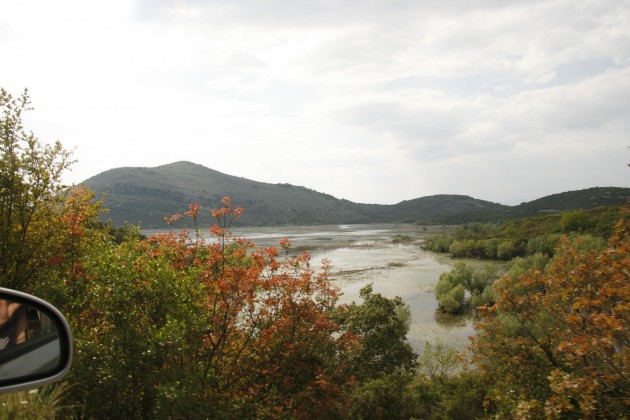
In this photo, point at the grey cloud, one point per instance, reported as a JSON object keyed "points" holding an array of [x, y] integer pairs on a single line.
{"points": [[309, 12], [589, 104], [422, 132]]}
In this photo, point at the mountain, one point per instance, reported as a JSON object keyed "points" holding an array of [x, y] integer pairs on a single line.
{"points": [[583, 199], [571, 200], [144, 196]]}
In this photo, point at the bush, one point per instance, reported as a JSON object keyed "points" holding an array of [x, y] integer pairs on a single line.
{"points": [[451, 289], [543, 244], [506, 250], [490, 248], [459, 396], [385, 397]]}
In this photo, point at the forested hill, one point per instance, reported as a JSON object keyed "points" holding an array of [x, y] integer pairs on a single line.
{"points": [[143, 196]]}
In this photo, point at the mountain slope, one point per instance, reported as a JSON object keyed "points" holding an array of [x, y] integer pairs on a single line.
{"points": [[582, 199], [144, 196], [433, 208]]}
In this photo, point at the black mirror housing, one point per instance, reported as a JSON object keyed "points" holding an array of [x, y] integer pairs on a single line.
{"points": [[35, 342]]}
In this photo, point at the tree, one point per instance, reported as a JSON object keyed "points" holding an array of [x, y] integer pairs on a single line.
{"points": [[438, 360], [384, 397], [30, 195], [458, 396], [384, 362], [381, 325], [506, 250], [555, 343]]}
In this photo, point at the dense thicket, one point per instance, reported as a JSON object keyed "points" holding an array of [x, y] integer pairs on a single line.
{"points": [[525, 237]]}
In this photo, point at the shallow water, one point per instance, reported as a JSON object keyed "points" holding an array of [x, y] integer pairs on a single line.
{"points": [[399, 270], [363, 254]]}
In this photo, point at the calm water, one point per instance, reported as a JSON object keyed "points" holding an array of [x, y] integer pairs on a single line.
{"points": [[399, 270]]}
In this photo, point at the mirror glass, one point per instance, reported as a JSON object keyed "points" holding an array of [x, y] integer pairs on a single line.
{"points": [[29, 342]]}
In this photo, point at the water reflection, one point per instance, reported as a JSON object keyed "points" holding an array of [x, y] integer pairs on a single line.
{"points": [[446, 320], [400, 270]]}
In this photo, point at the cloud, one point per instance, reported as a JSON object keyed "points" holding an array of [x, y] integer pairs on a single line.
{"points": [[374, 101]]}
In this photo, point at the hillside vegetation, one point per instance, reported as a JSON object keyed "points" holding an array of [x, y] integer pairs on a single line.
{"points": [[525, 236], [144, 196]]}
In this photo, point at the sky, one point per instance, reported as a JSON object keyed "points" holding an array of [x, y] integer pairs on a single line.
{"points": [[373, 101]]}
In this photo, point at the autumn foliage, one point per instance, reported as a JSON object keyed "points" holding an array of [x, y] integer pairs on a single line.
{"points": [[556, 342], [210, 326]]}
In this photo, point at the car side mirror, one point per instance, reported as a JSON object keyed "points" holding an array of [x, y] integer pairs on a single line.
{"points": [[35, 342]]}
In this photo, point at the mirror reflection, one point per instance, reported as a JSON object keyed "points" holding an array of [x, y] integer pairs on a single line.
{"points": [[29, 341]]}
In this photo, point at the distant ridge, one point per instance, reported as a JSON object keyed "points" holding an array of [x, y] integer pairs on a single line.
{"points": [[583, 199], [143, 196]]}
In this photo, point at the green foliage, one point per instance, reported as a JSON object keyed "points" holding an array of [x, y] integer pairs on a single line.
{"points": [[523, 237], [522, 265], [452, 286], [472, 231], [382, 324], [506, 250], [384, 397], [486, 297], [401, 239], [575, 221], [437, 392], [438, 360], [449, 396], [544, 244], [119, 234], [491, 248], [481, 279], [30, 188], [585, 244], [145, 312], [453, 301], [438, 243]]}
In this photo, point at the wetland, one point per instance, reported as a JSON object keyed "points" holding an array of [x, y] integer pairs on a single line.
{"points": [[389, 256]]}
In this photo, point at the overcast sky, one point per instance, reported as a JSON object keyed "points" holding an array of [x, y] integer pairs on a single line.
{"points": [[374, 101]]}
